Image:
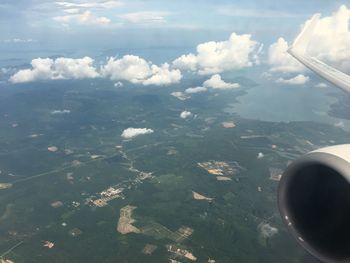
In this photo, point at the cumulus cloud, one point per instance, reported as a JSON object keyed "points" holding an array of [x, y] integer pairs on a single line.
{"points": [[163, 75], [195, 90], [186, 62], [130, 133], [129, 68], [239, 51], [185, 114], [330, 43], [280, 60], [145, 17], [60, 68], [216, 82], [298, 80], [331, 40], [85, 18], [139, 71]]}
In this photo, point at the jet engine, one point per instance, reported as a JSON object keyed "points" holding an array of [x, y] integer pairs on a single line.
{"points": [[314, 202]]}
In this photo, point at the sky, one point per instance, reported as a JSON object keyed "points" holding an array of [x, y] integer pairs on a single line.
{"points": [[97, 23], [153, 42]]}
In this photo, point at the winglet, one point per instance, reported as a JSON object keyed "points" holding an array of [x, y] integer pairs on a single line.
{"points": [[302, 41]]}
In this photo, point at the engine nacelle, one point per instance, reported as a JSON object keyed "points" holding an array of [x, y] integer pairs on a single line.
{"points": [[314, 201]]}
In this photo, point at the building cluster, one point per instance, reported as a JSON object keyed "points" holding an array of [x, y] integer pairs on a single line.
{"points": [[108, 195], [181, 252], [220, 167], [111, 191], [275, 174]]}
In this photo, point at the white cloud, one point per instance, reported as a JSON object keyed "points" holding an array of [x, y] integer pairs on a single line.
{"points": [[180, 95], [266, 230], [185, 114], [118, 84], [130, 133], [129, 68], [7, 71], [329, 43], [298, 80], [266, 75], [18, 40], [331, 39], [321, 85], [186, 62], [162, 75], [103, 4], [145, 17], [216, 82], [260, 155], [280, 60], [72, 10], [195, 90], [239, 51], [139, 71], [86, 18], [55, 112], [60, 68], [339, 124], [237, 11]]}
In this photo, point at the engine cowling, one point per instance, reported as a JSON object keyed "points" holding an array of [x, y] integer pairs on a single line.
{"points": [[314, 202]]}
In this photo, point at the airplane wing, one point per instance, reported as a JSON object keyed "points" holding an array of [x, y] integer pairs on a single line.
{"points": [[298, 50]]}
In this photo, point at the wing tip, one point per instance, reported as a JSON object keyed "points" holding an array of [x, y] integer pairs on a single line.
{"points": [[302, 40]]}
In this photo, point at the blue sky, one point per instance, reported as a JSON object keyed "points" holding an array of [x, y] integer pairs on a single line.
{"points": [[160, 23]]}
